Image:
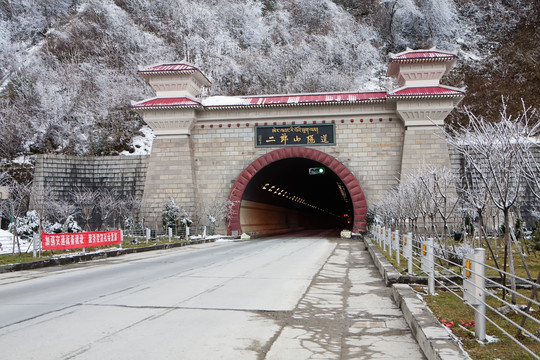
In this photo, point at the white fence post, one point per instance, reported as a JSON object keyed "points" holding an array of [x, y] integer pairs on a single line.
{"points": [[169, 232], [35, 239], [428, 264], [147, 235], [384, 234], [389, 236], [407, 251], [395, 238], [474, 284]]}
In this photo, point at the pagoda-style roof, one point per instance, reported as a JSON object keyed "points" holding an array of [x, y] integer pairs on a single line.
{"points": [[217, 102], [419, 57], [167, 103], [173, 68], [422, 55]]}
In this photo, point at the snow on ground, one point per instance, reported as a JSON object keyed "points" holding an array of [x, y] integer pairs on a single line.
{"points": [[142, 144], [6, 246]]}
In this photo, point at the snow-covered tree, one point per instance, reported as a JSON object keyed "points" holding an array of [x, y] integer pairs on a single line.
{"points": [[65, 210], [26, 226], [171, 214]]}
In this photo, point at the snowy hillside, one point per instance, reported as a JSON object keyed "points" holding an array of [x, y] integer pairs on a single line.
{"points": [[68, 67]]}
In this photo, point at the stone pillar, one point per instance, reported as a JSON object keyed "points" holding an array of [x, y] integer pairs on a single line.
{"points": [[423, 145], [170, 174]]}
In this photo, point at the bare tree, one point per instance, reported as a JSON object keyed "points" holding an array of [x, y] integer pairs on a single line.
{"points": [[86, 201], [213, 212], [440, 184], [129, 209], [107, 204], [42, 201], [490, 150]]}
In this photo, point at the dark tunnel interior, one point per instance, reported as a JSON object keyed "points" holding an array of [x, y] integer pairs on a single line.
{"points": [[295, 194]]}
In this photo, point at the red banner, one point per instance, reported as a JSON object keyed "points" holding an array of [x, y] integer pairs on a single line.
{"points": [[80, 240]]}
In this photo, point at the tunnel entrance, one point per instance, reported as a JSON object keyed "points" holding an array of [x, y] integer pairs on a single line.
{"points": [[292, 189]]}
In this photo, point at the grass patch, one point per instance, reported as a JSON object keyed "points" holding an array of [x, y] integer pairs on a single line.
{"points": [[450, 309]]}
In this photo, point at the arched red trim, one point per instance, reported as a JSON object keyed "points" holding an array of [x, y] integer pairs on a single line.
{"points": [[349, 180]]}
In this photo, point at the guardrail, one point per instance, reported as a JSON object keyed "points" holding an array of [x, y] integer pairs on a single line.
{"points": [[426, 256]]}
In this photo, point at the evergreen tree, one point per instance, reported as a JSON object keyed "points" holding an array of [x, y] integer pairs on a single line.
{"points": [[170, 214]]}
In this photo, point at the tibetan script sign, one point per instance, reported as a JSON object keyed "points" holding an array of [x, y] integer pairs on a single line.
{"points": [[80, 240], [295, 135]]}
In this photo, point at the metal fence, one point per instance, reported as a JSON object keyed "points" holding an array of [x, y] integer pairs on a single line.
{"points": [[424, 255]]}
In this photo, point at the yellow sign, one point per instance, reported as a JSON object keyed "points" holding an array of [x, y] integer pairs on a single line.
{"points": [[468, 268], [424, 249]]}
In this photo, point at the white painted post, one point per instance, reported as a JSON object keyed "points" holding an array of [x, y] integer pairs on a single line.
{"points": [[428, 264], [431, 273], [474, 284], [385, 234], [169, 231], [204, 232], [407, 251], [187, 232], [121, 237], [35, 244], [389, 241], [397, 246], [147, 235]]}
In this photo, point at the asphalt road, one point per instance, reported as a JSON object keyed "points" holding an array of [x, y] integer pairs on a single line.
{"points": [[281, 298]]}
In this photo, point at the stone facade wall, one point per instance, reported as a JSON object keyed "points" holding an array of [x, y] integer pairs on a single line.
{"points": [[371, 150]]}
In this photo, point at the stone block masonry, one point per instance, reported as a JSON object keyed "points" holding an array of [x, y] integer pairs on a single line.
{"points": [[125, 175], [170, 174]]}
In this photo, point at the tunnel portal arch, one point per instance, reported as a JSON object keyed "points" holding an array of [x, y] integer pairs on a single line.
{"points": [[358, 200]]}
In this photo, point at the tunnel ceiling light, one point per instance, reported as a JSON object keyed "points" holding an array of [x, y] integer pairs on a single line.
{"points": [[281, 192]]}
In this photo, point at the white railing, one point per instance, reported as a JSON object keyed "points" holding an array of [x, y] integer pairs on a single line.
{"points": [[425, 256]]}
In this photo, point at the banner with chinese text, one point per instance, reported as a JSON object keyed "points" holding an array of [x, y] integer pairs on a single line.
{"points": [[295, 135], [80, 240]]}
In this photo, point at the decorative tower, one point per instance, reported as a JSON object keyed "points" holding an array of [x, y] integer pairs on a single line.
{"points": [[423, 104], [171, 115]]}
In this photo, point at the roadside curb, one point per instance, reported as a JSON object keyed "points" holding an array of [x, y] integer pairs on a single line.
{"points": [[435, 341], [389, 274], [98, 255]]}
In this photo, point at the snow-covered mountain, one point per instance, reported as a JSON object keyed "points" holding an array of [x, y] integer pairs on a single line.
{"points": [[68, 67]]}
